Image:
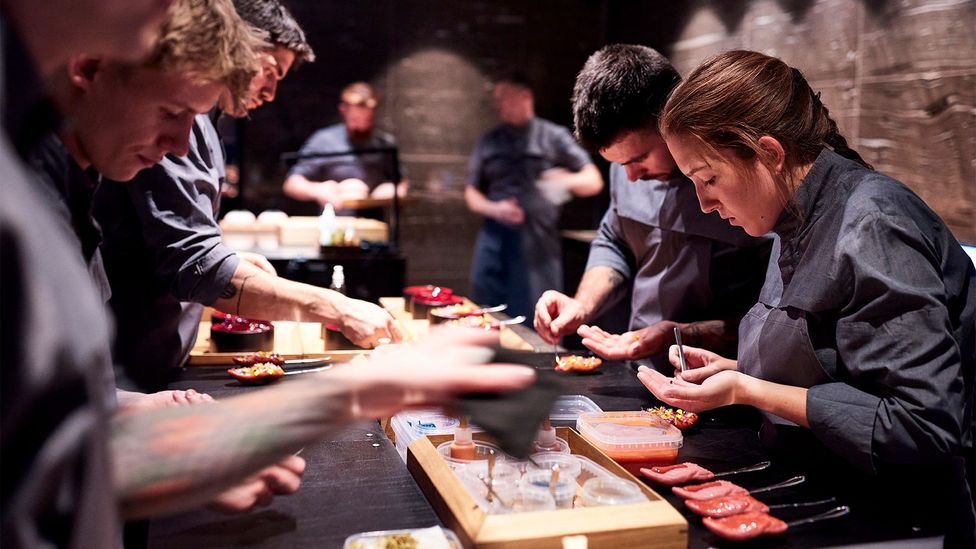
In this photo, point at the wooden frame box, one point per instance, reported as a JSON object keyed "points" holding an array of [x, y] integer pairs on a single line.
{"points": [[652, 524]]}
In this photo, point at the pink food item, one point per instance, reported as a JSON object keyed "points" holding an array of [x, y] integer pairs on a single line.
{"points": [[726, 506], [709, 490], [745, 526], [681, 473]]}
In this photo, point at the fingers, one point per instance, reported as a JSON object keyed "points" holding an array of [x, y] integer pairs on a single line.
{"points": [[672, 391], [393, 327], [283, 480], [542, 319]]}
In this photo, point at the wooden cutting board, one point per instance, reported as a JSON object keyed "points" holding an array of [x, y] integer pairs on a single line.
{"points": [[292, 340]]}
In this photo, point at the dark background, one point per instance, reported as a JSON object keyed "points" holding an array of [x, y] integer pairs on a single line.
{"points": [[899, 77]]}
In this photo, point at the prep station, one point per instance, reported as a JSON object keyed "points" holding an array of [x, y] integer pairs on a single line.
{"points": [[356, 479]]}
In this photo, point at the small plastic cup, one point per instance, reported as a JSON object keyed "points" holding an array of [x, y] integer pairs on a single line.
{"points": [[611, 491], [504, 486], [569, 466], [482, 450], [539, 481], [529, 500]]}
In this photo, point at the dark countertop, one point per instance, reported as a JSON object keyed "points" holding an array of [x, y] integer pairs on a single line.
{"points": [[355, 481]]}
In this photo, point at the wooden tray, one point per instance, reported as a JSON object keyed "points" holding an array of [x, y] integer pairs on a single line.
{"points": [[291, 340], [651, 524], [415, 328]]}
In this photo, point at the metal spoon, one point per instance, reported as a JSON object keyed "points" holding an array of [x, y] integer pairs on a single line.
{"points": [[786, 483], [803, 504], [517, 320], [833, 513], [486, 310], [757, 467]]}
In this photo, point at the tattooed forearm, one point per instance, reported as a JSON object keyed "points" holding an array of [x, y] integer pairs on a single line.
{"points": [[174, 458], [229, 291]]}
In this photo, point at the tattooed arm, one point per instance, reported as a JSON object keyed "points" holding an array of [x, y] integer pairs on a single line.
{"points": [[175, 458], [255, 293], [557, 314]]}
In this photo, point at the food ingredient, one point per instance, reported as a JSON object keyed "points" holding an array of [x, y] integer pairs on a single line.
{"points": [[745, 526], [726, 506], [680, 473], [577, 363], [709, 490], [677, 417]]}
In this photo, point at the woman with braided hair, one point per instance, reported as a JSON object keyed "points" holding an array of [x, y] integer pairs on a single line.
{"points": [[863, 342]]}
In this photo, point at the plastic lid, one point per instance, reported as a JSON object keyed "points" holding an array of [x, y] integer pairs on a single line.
{"points": [[429, 422], [628, 430], [569, 407]]}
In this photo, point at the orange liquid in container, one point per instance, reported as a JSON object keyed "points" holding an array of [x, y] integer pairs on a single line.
{"points": [[632, 439]]}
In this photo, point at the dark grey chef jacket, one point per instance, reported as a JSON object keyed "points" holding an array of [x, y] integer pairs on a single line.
{"points": [[870, 303], [164, 256], [55, 380], [684, 265]]}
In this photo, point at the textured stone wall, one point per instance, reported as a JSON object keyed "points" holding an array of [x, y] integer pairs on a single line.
{"points": [[899, 78], [433, 63]]}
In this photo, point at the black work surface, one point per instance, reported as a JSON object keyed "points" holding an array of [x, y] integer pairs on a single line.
{"points": [[355, 481]]}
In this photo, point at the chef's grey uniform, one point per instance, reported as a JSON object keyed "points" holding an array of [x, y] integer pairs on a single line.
{"points": [[870, 302], [684, 265], [514, 265]]}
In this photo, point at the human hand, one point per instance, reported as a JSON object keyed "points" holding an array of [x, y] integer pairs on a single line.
{"points": [[353, 189], [132, 402], [508, 212], [700, 364], [554, 186], [327, 192], [717, 390], [557, 314], [631, 345], [365, 323], [282, 478], [258, 261], [431, 372]]}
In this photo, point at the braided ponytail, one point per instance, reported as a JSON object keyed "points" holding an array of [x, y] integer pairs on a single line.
{"points": [[832, 136]]}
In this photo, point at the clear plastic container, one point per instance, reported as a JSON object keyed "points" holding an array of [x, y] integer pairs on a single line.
{"points": [[569, 407], [537, 480], [569, 466], [591, 469], [611, 491], [481, 451], [409, 426], [504, 485], [632, 439], [434, 537]]}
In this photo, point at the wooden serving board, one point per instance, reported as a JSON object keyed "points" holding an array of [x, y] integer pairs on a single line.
{"points": [[291, 340], [414, 328], [654, 523]]}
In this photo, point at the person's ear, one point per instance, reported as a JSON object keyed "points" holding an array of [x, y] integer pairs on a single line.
{"points": [[343, 108], [83, 69], [774, 156]]}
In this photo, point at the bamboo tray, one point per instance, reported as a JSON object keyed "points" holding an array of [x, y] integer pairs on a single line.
{"points": [[291, 340], [415, 328], [652, 524]]}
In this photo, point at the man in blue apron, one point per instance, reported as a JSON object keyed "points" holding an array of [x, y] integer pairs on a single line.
{"points": [[519, 175]]}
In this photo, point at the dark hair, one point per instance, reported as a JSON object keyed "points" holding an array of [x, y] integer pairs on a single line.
{"points": [[621, 88], [275, 19], [736, 97], [516, 78]]}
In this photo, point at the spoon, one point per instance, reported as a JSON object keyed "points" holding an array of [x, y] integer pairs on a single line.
{"points": [[554, 479], [491, 469], [517, 320], [757, 467]]}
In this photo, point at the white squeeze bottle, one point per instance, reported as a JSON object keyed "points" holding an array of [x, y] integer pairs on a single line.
{"points": [[338, 280], [327, 226]]}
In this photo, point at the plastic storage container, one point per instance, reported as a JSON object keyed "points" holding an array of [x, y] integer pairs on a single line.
{"points": [[569, 407], [434, 537], [632, 439], [409, 426], [611, 491]]}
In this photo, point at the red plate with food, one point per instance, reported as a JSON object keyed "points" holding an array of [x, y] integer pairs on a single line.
{"points": [[675, 416], [577, 363], [257, 374]]}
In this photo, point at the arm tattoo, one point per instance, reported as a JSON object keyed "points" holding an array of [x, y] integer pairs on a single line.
{"points": [[229, 291]]}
